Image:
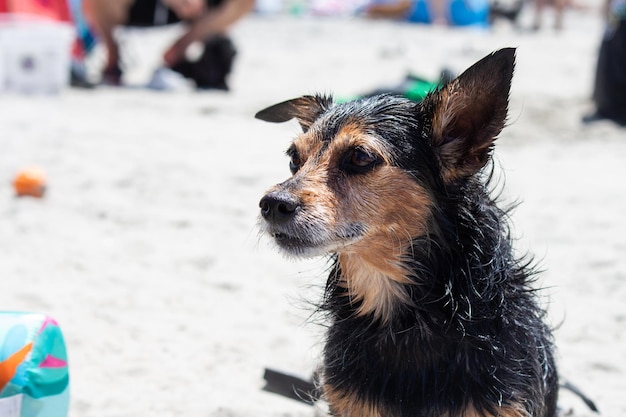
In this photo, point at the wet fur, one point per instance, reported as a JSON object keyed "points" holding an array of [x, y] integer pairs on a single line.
{"points": [[430, 313]]}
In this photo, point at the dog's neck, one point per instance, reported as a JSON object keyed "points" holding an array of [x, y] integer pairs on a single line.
{"points": [[375, 279]]}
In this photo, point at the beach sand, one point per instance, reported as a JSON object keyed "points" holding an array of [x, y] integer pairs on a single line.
{"points": [[146, 250]]}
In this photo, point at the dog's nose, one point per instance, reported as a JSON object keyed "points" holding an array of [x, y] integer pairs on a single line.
{"points": [[279, 206]]}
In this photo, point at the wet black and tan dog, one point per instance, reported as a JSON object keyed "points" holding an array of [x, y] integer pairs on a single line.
{"points": [[431, 313]]}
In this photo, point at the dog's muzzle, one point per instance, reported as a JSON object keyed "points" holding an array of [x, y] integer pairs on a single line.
{"points": [[303, 234], [279, 210], [279, 207]]}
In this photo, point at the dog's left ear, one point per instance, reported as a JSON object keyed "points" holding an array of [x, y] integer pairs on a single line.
{"points": [[306, 109], [469, 113]]}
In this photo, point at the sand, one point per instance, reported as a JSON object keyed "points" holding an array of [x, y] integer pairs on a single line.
{"points": [[146, 251]]}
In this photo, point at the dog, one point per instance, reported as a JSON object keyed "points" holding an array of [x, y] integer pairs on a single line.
{"points": [[430, 311]]}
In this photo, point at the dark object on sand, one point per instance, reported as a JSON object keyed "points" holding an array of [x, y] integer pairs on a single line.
{"points": [[211, 70]]}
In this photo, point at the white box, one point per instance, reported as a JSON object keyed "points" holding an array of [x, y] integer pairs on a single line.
{"points": [[35, 55]]}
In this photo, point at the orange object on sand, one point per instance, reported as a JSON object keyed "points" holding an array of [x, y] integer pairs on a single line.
{"points": [[30, 182]]}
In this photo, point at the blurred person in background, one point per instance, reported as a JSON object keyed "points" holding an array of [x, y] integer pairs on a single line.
{"points": [[436, 12], [433, 11], [559, 11], [206, 21], [609, 90]]}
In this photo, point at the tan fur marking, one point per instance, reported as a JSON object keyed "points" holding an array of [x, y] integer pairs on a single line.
{"points": [[396, 210], [352, 135], [466, 122], [390, 205], [450, 100], [442, 117], [507, 411], [344, 404], [307, 145]]}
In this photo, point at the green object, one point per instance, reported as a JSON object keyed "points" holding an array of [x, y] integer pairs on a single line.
{"points": [[412, 87], [417, 89]]}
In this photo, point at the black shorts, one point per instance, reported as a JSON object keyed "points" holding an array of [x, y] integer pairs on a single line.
{"points": [[154, 13]]}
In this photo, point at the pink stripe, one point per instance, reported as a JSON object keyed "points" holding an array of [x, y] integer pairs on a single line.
{"points": [[52, 362], [47, 321]]}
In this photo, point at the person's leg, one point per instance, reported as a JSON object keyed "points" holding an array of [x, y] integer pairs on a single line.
{"points": [[615, 83], [213, 67], [439, 10], [559, 13], [394, 10], [609, 92], [106, 15], [539, 7]]}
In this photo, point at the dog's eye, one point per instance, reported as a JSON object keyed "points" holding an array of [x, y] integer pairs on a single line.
{"points": [[358, 161], [361, 158], [295, 162]]}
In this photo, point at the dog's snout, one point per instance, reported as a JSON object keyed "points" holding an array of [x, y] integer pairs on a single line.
{"points": [[279, 206]]}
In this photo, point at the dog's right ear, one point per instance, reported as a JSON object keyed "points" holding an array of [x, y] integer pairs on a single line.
{"points": [[469, 113], [305, 109]]}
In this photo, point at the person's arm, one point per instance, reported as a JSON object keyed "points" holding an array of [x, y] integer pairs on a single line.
{"points": [[439, 12], [214, 21]]}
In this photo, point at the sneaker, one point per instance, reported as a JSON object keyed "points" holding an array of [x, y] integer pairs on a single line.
{"points": [[164, 79]]}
